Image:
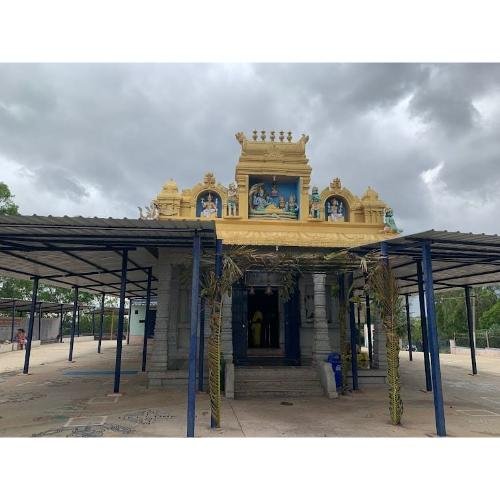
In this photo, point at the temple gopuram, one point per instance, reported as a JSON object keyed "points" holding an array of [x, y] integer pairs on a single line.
{"points": [[271, 201], [272, 206]]}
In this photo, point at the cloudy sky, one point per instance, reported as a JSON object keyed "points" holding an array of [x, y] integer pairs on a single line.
{"points": [[83, 139]]}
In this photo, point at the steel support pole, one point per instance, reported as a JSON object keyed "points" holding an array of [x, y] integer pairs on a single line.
{"points": [[73, 323], [423, 326], [121, 314], [34, 294], [13, 322], [352, 325], [78, 321], [101, 323], [218, 273], [369, 328], [40, 321], [93, 323], [433, 340], [195, 284], [470, 328], [358, 322], [129, 316], [408, 326], [146, 320], [201, 347], [61, 312]]}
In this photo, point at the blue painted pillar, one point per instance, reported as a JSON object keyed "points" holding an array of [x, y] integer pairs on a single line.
{"points": [[423, 326], [13, 321], [40, 321], [61, 317], [352, 326], [121, 315], [433, 340], [101, 323], [358, 320], [146, 321], [78, 321], [73, 323], [408, 326], [369, 328], [470, 329], [34, 294], [195, 292], [201, 348], [129, 317]]}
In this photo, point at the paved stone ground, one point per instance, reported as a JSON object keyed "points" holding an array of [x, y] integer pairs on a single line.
{"points": [[60, 398]]}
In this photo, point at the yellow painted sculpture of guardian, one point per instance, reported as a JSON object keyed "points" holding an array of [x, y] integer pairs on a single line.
{"points": [[271, 201]]}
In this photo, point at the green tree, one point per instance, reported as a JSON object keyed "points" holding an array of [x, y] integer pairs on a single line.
{"points": [[451, 314], [491, 317], [7, 205]]}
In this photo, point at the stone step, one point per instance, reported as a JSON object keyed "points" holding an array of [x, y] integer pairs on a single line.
{"points": [[279, 381], [369, 377], [281, 385], [288, 394], [276, 373]]}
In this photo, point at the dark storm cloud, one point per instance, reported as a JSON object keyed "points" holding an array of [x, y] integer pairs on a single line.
{"points": [[116, 133]]}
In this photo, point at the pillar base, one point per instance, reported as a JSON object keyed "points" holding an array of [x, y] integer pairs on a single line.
{"points": [[229, 380], [327, 379]]}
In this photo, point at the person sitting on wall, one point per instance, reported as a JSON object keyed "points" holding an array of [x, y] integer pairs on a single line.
{"points": [[21, 339]]}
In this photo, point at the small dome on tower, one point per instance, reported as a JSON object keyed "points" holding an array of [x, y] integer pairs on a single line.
{"points": [[170, 186], [370, 195]]}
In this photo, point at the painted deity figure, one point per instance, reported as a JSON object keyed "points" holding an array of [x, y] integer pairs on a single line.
{"points": [[314, 203], [209, 207], [232, 199], [149, 213], [389, 222], [259, 201], [292, 203], [335, 210]]}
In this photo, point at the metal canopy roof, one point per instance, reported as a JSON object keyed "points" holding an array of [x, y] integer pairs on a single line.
{"points": [[458, 259], [46, 307], [86, 252]]}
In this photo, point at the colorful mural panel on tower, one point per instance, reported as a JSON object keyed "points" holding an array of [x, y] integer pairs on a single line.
{"points": [[269, 198]]}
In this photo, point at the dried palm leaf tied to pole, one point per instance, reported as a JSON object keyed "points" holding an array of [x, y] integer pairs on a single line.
{"points": [[383, 286], [235, 262]]}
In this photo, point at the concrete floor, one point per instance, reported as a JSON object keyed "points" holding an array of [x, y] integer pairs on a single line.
{"points": [[59, 399]]}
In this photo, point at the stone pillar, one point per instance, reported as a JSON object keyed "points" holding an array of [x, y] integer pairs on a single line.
{"points": [[334, 325], [242, 181], [172, 315], [227, 329], [227, 345], [321, 343], [158, 363]]}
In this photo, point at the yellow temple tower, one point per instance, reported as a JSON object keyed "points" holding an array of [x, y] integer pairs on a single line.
{"points": [[272, 202]]}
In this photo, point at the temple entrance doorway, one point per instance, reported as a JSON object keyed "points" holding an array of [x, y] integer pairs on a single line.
{"points": [[263, 321], [266, 330]]}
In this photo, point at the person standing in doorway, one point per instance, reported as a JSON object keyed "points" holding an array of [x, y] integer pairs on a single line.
{"points": [[256, 327]]}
